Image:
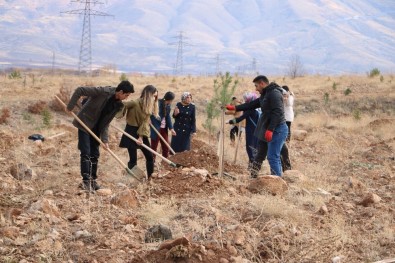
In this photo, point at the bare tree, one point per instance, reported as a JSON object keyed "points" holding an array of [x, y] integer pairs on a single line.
{"points": [[295, 67]]}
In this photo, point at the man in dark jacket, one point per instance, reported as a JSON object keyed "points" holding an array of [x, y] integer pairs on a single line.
{"points": [[97, 112], [271, 128]]}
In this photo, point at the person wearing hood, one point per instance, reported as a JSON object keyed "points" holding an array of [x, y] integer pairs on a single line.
{"points": [[271, 127]]}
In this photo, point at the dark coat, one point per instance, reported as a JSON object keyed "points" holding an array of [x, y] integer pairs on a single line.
{"points": [[91, 111], [164, 112], [272, 106]]}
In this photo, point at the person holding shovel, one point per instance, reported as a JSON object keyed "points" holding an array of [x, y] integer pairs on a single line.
{"points": [[100, 108], [163, 124], [138, 114], [184, 124]]}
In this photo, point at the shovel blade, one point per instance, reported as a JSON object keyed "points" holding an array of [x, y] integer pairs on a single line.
{"points": [[136, 173]]}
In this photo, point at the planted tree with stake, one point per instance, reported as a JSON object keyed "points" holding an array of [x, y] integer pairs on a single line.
{"points": [[224, 88]]}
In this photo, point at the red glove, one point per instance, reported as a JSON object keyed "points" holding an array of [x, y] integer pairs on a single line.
{"points": [[268, 135], [230, 107]]}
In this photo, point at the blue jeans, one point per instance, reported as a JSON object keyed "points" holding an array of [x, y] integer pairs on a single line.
{"points": [[280, 133]]}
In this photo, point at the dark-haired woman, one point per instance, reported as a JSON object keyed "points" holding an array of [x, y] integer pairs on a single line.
{"points": [[162, 124]]}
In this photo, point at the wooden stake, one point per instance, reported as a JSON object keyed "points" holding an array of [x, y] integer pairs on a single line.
{"points": [[221, 145], [237, 143]]}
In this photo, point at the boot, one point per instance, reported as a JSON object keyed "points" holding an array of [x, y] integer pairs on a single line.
{"points": [[95, 186], [255, 168], [86, 185]]}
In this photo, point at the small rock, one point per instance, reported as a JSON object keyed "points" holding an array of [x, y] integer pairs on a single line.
{"points": [[10, 232], [293, 176], [370, 198], [223, 260], [323, 192], [158, 233], [48, 192], [232, 250], [82, 234], [323, 210], [268, 183], [337, 259], [46, 206], [175, 242], [104, 192], [22, 171], [299, 135], [126, 199]]}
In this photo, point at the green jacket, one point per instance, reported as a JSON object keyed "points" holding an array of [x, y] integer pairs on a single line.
{"points": [[136, 117]]}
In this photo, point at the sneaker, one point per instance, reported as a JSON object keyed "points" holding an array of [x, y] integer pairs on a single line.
{"points": [[95, 185], [86, 185]]}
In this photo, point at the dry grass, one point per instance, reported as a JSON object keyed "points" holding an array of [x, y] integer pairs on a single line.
{"points": [[341, 143]]}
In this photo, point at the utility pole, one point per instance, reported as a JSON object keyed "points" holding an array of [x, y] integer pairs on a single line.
{"points": [[217, 65], [53, 62], [85, 60], [181, 43], [253, 66]]}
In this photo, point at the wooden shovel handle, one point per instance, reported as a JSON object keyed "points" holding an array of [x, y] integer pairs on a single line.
{"points": [[163, 139], [98, 139], [145, 146]]}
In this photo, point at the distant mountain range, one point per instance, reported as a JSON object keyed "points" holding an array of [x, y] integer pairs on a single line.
{"points": [[247, 36]]}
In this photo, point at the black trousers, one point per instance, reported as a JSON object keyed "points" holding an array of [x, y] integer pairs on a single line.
{"points": [[233, 133], [89, 155], [132, 149]]}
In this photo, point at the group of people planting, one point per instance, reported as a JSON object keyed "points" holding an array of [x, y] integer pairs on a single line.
{"points": [[149, 117], [267, 125], [144, 116]]}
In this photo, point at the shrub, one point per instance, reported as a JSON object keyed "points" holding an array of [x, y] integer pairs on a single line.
{"points": [[356, 114], [334, 86], [15, 75], [47, 117], [374, 72], [347, 91], [38, 107], [5, 114], [64, 94], [326, 98], [123, 77]]}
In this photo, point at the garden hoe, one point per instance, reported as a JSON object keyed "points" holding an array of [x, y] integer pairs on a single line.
{"points": [[135, 172], [149, 149], [163, 139]]}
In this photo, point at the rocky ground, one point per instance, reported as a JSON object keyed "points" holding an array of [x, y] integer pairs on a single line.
{"points": [[336, 205]]}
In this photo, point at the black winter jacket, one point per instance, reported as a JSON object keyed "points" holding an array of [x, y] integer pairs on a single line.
{"points": [[272, 106]]}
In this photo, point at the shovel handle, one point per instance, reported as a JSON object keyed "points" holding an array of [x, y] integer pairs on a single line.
{"points": [[98, 140], [163, 139], [145, 146]]}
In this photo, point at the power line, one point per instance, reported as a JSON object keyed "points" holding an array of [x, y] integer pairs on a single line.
{"points": [[85, 60]]}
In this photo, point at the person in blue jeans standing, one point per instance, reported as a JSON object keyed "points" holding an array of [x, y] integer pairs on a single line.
{"points": [[271, 128]]}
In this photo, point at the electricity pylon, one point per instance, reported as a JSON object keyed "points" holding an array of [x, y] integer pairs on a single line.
{"points": [[85, 61]]}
